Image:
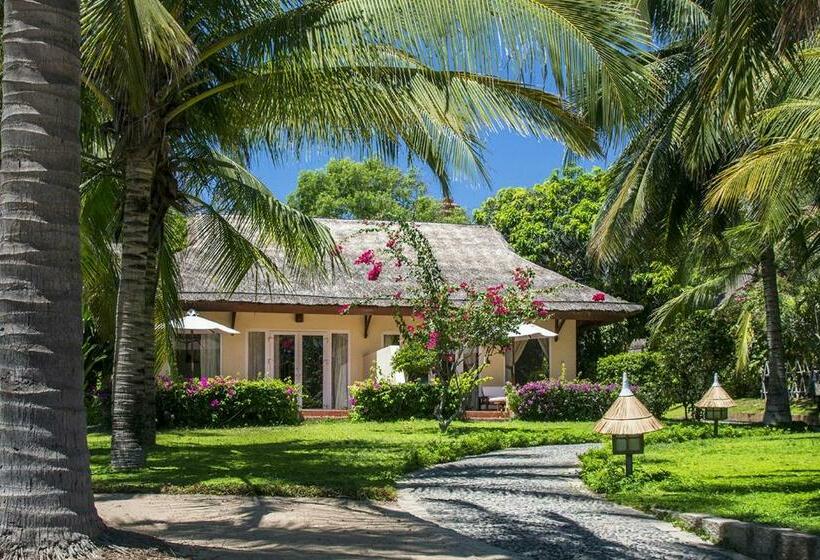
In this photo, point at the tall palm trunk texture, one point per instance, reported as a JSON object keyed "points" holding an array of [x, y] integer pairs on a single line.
{"points": [[777, 394], [127, 416], [46, 504]]}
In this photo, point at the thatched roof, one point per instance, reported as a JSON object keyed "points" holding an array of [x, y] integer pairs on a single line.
{"points": [[627, 415], [475, 254], [715, 397]]}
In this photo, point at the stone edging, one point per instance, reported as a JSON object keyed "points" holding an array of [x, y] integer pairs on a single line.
{"points": [[760, 542]]}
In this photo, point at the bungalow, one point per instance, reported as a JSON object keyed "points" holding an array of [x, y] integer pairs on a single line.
{"points": [[297, 333]]}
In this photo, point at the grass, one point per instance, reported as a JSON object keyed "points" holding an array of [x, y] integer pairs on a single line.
{"points": [[333, 458], [766, 477], [750, 406]]}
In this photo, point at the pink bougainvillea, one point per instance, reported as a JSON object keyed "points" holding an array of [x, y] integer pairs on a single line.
{"points": [[540, 307], [343, 309], [432, 340], [375, 271], [598, 296], [365, 258], [522, 278]]}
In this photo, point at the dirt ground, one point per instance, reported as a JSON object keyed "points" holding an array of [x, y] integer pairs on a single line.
{"points": [[244, 528]]}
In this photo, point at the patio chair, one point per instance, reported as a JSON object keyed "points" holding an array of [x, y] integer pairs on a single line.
{"points": [[491, 395]]}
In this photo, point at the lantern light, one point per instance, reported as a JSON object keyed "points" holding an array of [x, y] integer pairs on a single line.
{"points": [[627, 420], [715, 403]]}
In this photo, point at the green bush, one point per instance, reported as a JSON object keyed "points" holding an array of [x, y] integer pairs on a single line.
{"points": [[224, 402], [380, 401], [551, 401], [644, 370], [414, 360]]}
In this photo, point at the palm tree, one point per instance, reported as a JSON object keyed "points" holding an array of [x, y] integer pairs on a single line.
{"points": [[46, 505], [714, 63], [340, 73]]}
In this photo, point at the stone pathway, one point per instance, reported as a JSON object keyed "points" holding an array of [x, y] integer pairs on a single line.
{"points": [[532, 503], [247, 528]]}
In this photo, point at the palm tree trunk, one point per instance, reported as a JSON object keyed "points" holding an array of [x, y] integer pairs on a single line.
{"points": [[777, 395], [46, 504], [159, 208], [127, 450]]}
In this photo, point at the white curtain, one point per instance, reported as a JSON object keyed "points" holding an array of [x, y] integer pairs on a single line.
{"points": [[209, 355], [339, 368], [544, 343], [256, 355]]}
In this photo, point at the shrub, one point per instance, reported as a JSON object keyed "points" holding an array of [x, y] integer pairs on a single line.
{"points": [[225, 402], [379, 401], [555, 400], [414, 360], [644, 370]]}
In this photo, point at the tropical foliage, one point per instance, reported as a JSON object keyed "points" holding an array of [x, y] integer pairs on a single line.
{"points": [[381, 401], [370, 190]]}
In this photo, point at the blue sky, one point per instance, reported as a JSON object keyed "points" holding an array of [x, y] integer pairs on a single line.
{"points": [[513, 161]]}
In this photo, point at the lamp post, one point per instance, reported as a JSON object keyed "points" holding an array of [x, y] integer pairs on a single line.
{"points": [[715, 403], [627, 420]]}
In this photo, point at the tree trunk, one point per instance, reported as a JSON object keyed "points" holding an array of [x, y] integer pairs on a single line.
{"points": [[46, 504], [777, 393], [159, 208], [127, 419]]}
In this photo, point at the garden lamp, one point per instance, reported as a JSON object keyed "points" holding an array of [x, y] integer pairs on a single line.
{"points": [[627, 420], [715, 403]]}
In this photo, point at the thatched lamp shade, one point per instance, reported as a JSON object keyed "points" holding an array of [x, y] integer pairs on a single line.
{"points": [[715, 403], [627, 416]]}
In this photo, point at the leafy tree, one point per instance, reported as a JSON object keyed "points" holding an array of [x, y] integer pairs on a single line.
{"points": [[550, 223], [46, 504], [721, 64], [370, 190]]}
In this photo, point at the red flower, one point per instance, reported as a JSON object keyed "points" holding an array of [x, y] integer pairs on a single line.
{"points": [[540, 307], [411, 329], [501, 309], [450, 357], [522, 278], [432, 340], [391, 242], [397, 295], [343, 309], [419, 316], [598, 296], [373, 273], [365, 258]]}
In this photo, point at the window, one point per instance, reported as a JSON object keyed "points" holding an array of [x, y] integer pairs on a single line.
{"points": [[256, 355], [197, 355], [390, 339]]}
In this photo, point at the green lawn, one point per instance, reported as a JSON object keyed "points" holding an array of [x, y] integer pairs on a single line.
{"points": [[335, 458], [750, 406], [773, 479]]}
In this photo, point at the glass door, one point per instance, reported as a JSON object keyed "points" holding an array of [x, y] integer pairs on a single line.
{"points": [[313, 370], [318, 362]]}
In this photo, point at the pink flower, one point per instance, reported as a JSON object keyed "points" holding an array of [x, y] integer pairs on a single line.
{"points": [[522, 278], [397, 264], [540, 307], [598, 296], [419, 316], [289, 391], [203, 382], [373, 273], [397, 295], [215, 403], [343, 309], [450, 357], [432, 340], [366, 257], [391, 242], [501, 309], [411, 329]]}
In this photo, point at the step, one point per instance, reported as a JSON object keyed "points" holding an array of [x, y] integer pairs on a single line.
{"points": [[486, 415], [324, 413]]}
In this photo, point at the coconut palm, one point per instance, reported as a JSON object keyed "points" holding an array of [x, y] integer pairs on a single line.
{"points": [[384, 75], [717, 62], [46, 505]]}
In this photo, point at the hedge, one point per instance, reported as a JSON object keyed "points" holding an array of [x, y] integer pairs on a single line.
{"points": [[644, 370], [225, 402], [379, 401], [555, 400]]}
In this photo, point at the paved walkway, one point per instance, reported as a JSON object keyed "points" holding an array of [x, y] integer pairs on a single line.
{"points": [[532, 503], [246, 528]]}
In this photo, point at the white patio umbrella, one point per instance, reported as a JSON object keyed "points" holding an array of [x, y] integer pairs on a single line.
{"points": [[194, 324], [527, 331]]}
